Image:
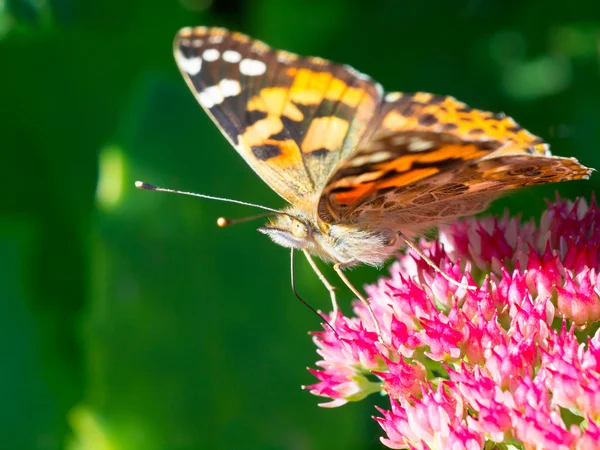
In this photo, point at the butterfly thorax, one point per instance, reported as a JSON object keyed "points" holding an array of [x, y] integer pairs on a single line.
{"points": [[337, 243]]}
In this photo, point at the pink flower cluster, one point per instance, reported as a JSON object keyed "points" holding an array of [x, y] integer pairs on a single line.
{"points": [[514, 361]]}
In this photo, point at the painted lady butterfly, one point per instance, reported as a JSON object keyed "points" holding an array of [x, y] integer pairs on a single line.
{"points": [[359, 167]]}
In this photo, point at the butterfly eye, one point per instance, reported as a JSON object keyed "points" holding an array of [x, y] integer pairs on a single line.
{"points": [[299, 229]]}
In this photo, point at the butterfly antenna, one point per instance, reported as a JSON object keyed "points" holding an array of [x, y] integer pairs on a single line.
{"points": [[224, 222], [304, 301], [150, 187]]}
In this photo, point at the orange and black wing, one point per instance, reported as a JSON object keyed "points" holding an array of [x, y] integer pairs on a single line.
{"points": [[430, 158], [291, 118]]}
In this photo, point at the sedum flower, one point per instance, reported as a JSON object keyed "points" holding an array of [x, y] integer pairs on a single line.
{"points": [[514, 361]]}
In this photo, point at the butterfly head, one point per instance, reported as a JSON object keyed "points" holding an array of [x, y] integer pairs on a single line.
{"points": [[336, 243], [290, 231]]}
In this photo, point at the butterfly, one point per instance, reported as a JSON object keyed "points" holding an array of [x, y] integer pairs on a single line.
{"points": [[359, 167]]}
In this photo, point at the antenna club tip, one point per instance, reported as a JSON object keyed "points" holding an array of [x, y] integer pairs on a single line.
{"points": [[223, 222], [144, 186]]}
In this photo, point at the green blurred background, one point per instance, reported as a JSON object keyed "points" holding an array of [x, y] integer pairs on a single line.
{"points": [[128, 319]]}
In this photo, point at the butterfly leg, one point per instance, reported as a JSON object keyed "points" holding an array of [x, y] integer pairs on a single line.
{"points": [[338, 268], [328, 285], [293, 280], [433, 265]]}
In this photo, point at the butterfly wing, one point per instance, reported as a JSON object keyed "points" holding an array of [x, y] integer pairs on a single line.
{"points": [[291, 118], [422, 111], [430, 159]]}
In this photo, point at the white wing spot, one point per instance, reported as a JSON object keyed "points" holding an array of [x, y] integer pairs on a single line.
{"points": [[230, 88], [214, 95], [215, 39], [252, 67], [393, 96], [370, 158], [191, 65], [211, 54], [419, 145], [205, 100], [211, 96], [231, 56]]}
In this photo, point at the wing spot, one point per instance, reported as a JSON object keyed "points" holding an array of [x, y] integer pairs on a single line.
{"points": [[200, 31], [252, 67], [399, 140], [214, 95], [230, 88], [393, 97], [241, 38], [211, 54], [419, 145], [191, 66], [186, 32], [489, 145], [317, 61], [210, 97], [215, 39], [529, 171], [266, 152], [370, 158], [286, 57], [422, 97], [320, 153], [450, 126], [260, 47], [427, 120], [231, 56]]}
